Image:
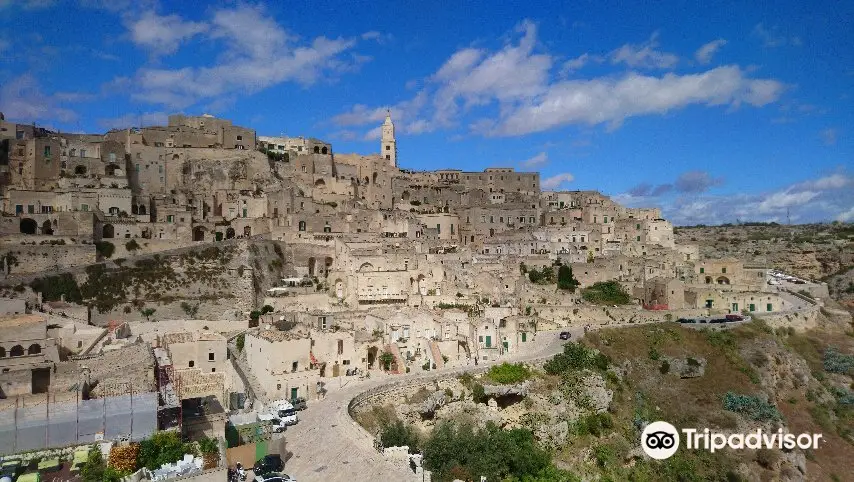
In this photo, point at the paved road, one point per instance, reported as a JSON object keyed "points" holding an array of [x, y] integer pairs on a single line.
{"points": [[329, 446]]}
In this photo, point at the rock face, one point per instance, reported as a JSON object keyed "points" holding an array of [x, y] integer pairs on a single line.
{"points": [[435, 400], [520, 389], [689, 367]]}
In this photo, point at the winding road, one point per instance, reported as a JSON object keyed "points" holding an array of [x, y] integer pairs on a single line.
{"points": [[328, 445]]}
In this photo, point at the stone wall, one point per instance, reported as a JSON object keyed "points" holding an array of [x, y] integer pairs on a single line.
{"points": [[47, 257], [568, 315]]}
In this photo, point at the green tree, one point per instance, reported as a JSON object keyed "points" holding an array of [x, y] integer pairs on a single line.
{"points": [[386, 359], [267, 309], [565, 279], [95, 469], [105, 248], [398, 434], [241, 340], [132, 245], [147, 312]]}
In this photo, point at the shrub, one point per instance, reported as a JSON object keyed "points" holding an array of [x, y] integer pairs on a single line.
{"points": [[208, 445], [163, 448], [266, 309], [565, 279], [665, 367], [606, 293], [105, 248], [96, 470], [240, 341], [123, 457], [477, 393], [751, 406], [460, 450], [386, 359], [397, 434], [836, 362], [132, 245], [596, 424], [53, 288], [653, 354], [508, 373], [576, 356]]}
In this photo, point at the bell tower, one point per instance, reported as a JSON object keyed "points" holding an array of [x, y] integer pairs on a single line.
{"points": [[388, 146]]}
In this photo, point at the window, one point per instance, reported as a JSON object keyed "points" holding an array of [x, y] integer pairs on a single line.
{"points": [[637, 226], [213, 370], [294, 366], [387, 157], [340, 347], [112, 157], [211, 357], [191, 364], [388, 148], [345, 362], [46, 151], [723, 270], [84, 207], [322, 321], [239, 138], [170, 218], [702, 270], [439, 229], [82, 152], [768, 307]]}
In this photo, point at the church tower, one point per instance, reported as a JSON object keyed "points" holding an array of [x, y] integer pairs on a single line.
{"points": [[388, 146]]}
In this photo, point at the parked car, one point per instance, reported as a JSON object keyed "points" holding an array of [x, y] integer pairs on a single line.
{"points": [[682, 320], [734, 317], [268, 465], [299, 403], [565, 335], [275, 477]]}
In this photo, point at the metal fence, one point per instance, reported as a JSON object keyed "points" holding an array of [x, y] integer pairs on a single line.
{"points": [[58, 424]]}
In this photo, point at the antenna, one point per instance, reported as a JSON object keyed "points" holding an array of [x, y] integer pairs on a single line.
{"points": [[788, 218]]}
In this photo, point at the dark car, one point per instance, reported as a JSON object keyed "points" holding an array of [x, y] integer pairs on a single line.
{"points": [[734, 317], [682, 320], [299, 403], [268, 464], [565, 335], [274, 477]]}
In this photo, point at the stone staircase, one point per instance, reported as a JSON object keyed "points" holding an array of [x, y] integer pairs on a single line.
{"points": [[436, 354], [399, 365]]}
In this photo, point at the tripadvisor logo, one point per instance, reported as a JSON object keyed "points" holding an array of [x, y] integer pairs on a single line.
{"points": [[660, 440]]}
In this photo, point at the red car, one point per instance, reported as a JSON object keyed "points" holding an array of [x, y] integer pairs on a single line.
{"points": [[734, 317]]}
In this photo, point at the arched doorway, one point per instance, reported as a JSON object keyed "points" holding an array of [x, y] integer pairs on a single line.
{"points": [[325, 150], [2, 352], [327, 263], [247, 230], [723, 280], [372, 356], [34, 349], [46, 228], [405, 196], [199, 233], [229, 233], [319, 183], [80, 170], [108, 231], [17, 350], [28, 226], [316, 150], [142, 209], [111, 170], [134, 209], [366, 267]]}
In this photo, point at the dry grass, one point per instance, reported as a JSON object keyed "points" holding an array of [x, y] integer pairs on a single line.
{"points": [[375, 418]]}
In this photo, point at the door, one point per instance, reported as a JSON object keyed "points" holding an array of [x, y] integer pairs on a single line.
{"points": [[524, 337], [506, 346], [735, 307], [488, 341], [294, 392], [752, 307]]}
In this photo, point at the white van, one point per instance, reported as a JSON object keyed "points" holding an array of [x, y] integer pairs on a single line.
{"points": [[284, 411]]}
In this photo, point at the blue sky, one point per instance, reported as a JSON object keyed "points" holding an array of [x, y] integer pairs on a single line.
{"points": [[715, 111]]}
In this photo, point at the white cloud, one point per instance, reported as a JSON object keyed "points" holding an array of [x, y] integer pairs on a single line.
{"points": [[814, 200], [162, 34], [554, 182], [21, 100], [772, 37], [696, 182], [833, 181], [135, 120], [705, 53], [610, 100], [846, 216], [829, 136], [257, 53], [536, 161], [514, 91], [644, 55], [572, 65], [786, 199]]}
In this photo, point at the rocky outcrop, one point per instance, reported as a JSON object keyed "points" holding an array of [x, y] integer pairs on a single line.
{"points": [[520, 389], [434, 400], [688, 367]]}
